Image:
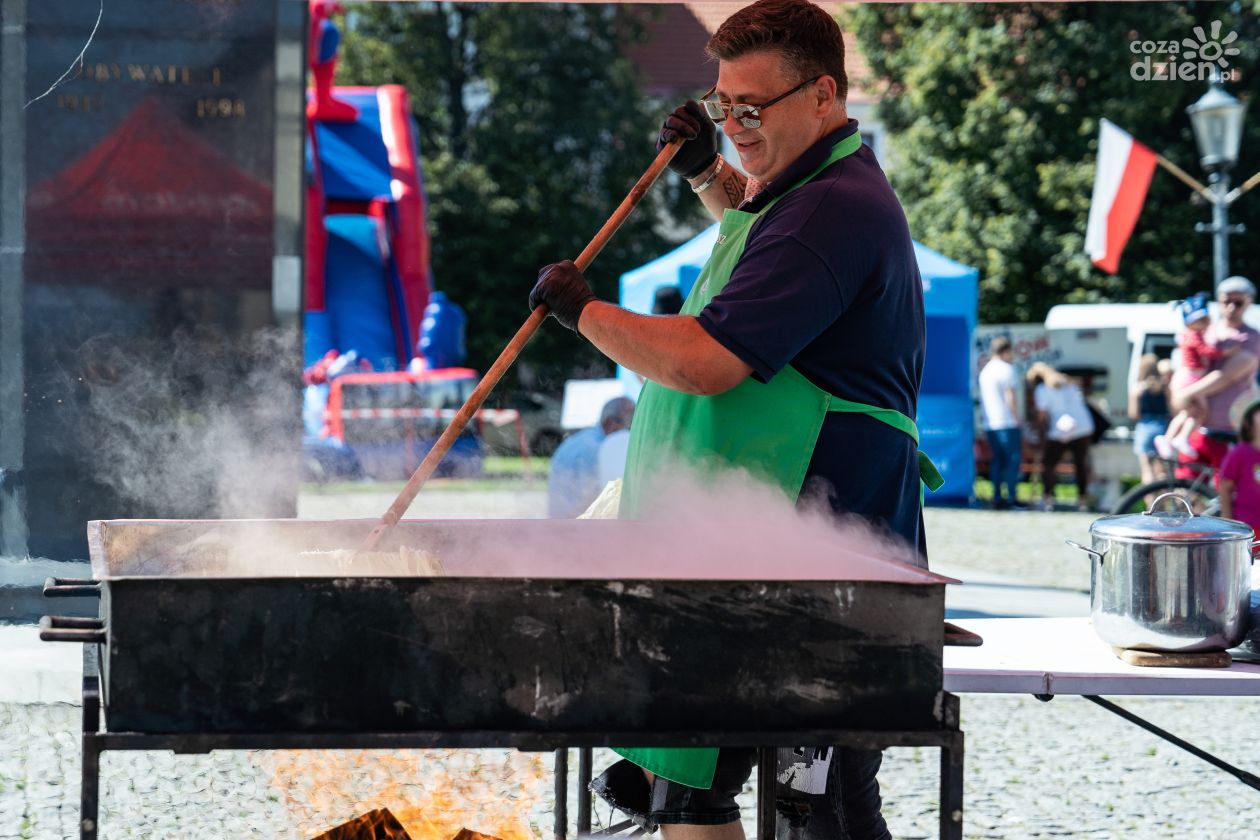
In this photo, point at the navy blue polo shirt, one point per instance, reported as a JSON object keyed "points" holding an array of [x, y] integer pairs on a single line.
{"points": [[829, 283]]}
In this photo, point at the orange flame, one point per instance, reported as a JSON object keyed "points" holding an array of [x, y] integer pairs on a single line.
{"points": [[434, 794], [374, 825]]}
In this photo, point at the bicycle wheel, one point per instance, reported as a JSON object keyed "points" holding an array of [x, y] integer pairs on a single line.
{"points": [[1200, 494]]}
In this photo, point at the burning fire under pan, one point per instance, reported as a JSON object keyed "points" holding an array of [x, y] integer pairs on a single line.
{"points": [[267, 634]]}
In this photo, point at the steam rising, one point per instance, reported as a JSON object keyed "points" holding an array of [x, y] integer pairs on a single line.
{"points": [[197, 425], [727, 527], [730, 513], [202, 427]]}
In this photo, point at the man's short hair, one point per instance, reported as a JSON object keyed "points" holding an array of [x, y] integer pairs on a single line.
{"points": [[999, 345], [619, 410], [1236, 285], [808, 38]]}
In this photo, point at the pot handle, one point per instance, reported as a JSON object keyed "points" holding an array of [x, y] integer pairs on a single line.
{"points": [[1097, 555], [1162, 496]]}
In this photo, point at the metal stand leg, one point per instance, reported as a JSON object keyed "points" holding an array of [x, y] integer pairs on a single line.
{"points": [[90, 777], [952, 755], [767, 814], [952, 789], [88, 811], [584, 792], [562, 794]]}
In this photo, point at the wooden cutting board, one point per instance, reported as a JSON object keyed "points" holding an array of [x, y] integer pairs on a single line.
{"points": [[1164, 659]]}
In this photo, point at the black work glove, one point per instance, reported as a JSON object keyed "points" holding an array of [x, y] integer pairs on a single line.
{"points": [[563, 289], [699, 138]]}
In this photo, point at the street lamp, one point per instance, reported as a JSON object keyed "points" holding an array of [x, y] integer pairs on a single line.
{"points": [[1218, 122]]}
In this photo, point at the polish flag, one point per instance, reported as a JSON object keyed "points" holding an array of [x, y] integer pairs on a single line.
{"points": [[1124, 172]]}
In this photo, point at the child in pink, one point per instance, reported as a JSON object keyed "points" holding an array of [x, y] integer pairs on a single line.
{"points": [[1240, 472]]}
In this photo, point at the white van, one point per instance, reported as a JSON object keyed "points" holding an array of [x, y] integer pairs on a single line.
{"points": [[1099, 355], [1148, 328]]}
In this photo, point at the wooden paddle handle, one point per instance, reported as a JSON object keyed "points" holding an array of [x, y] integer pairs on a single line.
{"points": [[623, 211], [513, 349]]}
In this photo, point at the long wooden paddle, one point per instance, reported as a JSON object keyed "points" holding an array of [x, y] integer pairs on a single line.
{"points": [[513, 349]]}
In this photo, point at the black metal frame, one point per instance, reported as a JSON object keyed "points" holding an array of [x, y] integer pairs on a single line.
{"points": [[949, 738]]}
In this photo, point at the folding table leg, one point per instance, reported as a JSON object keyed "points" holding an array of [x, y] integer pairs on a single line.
{"points": [[952, 788], [1248, 779]]}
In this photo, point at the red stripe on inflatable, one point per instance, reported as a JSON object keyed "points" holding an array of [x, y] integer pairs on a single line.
{"points": [[411, 238], [316, 233]]}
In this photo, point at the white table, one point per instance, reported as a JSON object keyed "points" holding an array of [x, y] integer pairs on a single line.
{"points": [[1049, 656], [1065, 656]]}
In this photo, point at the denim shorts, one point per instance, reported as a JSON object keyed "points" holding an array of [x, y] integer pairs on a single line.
{"points": [[625, 787], [1144, 434]]}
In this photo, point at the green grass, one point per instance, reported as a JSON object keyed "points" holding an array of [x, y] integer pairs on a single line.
{"points": [[454, 485], [503, 472], [1029, 492], [499, 473], [504, 466]]}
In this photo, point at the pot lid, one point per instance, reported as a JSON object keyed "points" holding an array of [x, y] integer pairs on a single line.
{"points": [[1170, 519]]}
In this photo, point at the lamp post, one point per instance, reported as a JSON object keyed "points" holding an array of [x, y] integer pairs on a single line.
{"points": [[1218, 121]]}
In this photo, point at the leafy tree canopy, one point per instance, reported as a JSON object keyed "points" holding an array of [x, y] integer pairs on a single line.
{"points": [[533, 127], [994, 113]]}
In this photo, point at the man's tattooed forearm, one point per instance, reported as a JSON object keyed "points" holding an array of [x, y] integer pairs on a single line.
{"points": [[734, 188]]}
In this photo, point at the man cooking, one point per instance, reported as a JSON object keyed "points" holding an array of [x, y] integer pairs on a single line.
{"points": [[797, 355]]}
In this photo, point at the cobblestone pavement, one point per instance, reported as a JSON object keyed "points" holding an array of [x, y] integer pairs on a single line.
{"points": [[1061, 769], [1024, 545]]}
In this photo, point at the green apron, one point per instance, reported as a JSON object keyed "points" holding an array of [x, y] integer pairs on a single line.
{"points": [[769, 429]]}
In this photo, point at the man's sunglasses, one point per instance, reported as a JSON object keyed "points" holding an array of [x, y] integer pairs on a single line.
{"points": [[749, 116]]}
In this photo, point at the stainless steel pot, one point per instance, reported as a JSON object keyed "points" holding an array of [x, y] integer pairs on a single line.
{"points": [[1169, 580]]}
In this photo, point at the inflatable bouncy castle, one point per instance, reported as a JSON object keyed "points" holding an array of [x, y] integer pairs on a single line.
{"points": [[367, 250], [374, 405]]}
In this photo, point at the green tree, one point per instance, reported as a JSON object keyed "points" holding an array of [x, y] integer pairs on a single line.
{"points": [[994, 113], [533, 127]]}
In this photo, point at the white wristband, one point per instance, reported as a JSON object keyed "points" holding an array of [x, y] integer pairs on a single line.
{"points": [[708, 182]]}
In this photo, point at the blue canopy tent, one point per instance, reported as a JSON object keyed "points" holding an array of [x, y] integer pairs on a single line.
{"points": [[946, 413], [950, 295]]}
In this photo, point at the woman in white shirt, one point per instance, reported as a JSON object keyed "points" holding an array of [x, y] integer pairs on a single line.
{"points": [[1067, 427]]}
